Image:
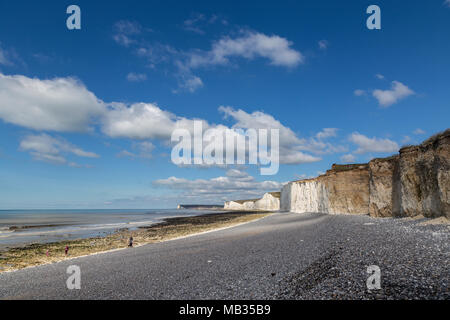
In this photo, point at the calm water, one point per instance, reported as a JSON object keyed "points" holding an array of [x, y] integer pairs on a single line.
{"points": [[19, 227]]}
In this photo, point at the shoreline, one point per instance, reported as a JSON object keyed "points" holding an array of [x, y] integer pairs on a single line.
{"points": [[172, 228]]}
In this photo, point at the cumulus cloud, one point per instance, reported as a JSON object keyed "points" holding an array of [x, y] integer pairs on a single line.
{"points": [[189, 82], [259, 120], [138, 121], [239, 175], [59, 104], [231, 186], [366, 145], [348, 158], [149, 121], [46, 148], [397, 92], [327, 133], [143, 121], [247, 45], [292, 147], [136, 77], [251, 45], [65, 105]]}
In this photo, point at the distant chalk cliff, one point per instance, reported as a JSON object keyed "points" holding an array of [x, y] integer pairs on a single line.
{"points": [[269, 202]]}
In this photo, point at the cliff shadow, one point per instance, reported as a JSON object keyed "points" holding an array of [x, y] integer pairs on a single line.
{"points": [[396, 194]]}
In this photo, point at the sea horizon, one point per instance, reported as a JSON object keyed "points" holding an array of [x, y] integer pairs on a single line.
{"points": [[26, 226]]}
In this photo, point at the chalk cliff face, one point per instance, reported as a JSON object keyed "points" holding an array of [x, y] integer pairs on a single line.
{"points": [[383, 201], [269, 202], [415, 182], [343, 189], [425, 178]]}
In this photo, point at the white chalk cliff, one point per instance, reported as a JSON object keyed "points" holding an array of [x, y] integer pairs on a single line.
{"points": [[269, 202]]}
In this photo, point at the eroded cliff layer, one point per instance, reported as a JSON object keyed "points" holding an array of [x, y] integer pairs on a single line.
{"points": [[343, 189], [414, 182], [383, 183], [424, 174]]}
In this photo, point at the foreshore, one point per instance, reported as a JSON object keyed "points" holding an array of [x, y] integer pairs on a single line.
{"points": [[37, 254]]}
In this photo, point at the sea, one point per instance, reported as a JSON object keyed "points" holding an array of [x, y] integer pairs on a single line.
{"points": [[22, 227]]}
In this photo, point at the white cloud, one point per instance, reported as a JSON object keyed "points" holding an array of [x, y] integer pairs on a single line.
{"points": [[447, 3], [149, 121], [397, 92], [230, 186], [327, 133], [248, 45], [379, 76], [259, 120], [136, 77], [418, 130], [65, 105], [406, 139], [124, 32], [288, 156], [251, 45], [189, 82], [237, 174], [138, 121], [291, 146], [359, 92], [143, 121], [49, 149], [60, 104], [323, 44], [348, 158], [367, 145]]}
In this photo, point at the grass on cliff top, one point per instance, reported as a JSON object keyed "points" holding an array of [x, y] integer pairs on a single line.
{"points": [[37, 254]]}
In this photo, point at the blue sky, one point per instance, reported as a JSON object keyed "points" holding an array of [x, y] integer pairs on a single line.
{"points": [[86, 115]]}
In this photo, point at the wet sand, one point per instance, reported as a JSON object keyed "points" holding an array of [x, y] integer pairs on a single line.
{"points": [[36, 254]]}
